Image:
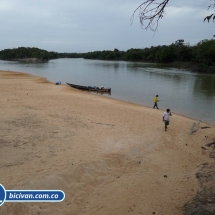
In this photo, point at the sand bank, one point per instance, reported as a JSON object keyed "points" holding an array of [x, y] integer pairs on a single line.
{"points": [[108, 156]]}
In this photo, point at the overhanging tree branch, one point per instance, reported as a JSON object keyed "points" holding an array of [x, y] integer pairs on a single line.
{"points": [[212, 16], [150, 11]]}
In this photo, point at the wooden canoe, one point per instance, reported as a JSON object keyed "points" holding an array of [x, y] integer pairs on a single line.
{"points": [[90, 88]]}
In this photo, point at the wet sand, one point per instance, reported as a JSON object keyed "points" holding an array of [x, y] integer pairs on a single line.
{"points": [[108, 156]]}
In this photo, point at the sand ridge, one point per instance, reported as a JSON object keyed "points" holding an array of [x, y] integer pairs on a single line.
{"points": [[108, 156]]}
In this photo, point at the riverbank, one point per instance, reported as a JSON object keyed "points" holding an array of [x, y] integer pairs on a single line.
{"points": [[108, 156], [194, 67]]}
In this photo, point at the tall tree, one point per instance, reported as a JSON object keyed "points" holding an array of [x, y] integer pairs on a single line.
{"points": [[151, 11]]}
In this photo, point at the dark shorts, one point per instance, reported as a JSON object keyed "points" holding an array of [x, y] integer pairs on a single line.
{"points": [[166, 122]]}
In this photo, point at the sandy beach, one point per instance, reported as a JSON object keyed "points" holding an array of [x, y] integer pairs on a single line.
{"points": [[109, 157]]}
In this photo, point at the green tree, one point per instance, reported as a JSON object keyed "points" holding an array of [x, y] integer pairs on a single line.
{"points": [[205, 52], [184, 53], [166, 54]]}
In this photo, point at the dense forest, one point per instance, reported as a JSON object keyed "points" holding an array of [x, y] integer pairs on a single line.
{"points": [[26, 53], [22, 53], [200, 57]]}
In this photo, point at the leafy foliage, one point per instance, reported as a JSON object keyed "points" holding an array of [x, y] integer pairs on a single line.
{"points": [[212, 16], [202, 55], [26, 53]]}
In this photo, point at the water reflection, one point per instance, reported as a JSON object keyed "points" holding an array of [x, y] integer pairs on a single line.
{"points": [[205, 85], [108, 65]]}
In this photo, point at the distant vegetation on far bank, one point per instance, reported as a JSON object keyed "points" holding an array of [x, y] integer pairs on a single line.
{"points": [[26, 54], [200, 58]]}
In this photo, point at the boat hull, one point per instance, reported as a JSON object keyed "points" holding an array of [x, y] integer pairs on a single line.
{"points": [[90, 88]]}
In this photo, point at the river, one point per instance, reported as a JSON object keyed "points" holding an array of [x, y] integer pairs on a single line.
{"points": [[184, 92]]}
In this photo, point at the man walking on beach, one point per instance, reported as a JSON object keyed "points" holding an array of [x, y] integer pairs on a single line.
{"points": [[156, 102], [166, 116]]}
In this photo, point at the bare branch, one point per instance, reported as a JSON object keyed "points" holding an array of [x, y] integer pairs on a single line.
{"points": [[151, 12]]}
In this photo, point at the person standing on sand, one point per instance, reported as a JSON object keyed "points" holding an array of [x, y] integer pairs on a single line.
{"points": [[166, 116], [156, 102]]}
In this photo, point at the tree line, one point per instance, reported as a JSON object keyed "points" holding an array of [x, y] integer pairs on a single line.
{"points": [[26, 53], [200, 57], [40, 54]]}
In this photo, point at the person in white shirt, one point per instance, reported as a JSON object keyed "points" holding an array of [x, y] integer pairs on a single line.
{"points": [[166, 116]]}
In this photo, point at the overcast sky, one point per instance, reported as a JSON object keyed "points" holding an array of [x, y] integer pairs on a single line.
{"points": [[97, 25]]}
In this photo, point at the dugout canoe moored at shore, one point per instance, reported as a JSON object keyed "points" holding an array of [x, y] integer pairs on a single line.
{"points": [[91, 88]]}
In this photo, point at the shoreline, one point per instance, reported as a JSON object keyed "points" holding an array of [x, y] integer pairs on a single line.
{"points": [[108, 156], [138, 104]]}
